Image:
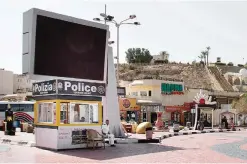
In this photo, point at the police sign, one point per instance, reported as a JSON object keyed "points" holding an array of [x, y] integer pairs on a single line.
{"points": [[69, 87], [44, 88]]}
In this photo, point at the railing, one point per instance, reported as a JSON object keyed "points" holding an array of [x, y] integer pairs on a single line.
{"points": [[226, 106], [221, 79]]}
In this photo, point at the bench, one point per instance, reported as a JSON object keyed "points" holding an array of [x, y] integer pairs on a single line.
{"points": [[94, 137]]}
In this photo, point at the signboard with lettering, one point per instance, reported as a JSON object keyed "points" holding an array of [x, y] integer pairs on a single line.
{"points": [[128, 104], [121, 91], [68, 87], [177, 108], [168, 88], [45, 88]]}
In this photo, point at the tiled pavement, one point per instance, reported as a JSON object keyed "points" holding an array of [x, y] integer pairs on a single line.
{"points": [[204, 148], [28, 139]]}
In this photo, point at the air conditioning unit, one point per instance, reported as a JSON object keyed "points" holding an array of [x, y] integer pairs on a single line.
{"points": [[218, 59]]}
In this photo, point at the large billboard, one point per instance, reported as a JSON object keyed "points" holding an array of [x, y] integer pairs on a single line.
{"points": [[55, 45]]}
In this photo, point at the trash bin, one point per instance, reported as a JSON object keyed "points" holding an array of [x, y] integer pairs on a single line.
{"points": [[21, 126], [176, 127], [1, 125], [149, 133], [188, 124], [4, 126]]}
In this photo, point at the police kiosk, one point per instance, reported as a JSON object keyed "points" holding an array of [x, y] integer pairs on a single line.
{"points": [[65, 108]]}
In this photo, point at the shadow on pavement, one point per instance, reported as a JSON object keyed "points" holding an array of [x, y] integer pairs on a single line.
{"points": [[123, 150]]}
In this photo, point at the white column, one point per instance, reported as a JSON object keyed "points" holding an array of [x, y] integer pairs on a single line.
{"points": [[196, 114], [112, 106], [212, 118]]}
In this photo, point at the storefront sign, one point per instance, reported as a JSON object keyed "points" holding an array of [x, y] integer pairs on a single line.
{"points": [[121, 91], [45, 88], [168, 88], [176, 108], [68, 87], [80, 88], [128, 104]]}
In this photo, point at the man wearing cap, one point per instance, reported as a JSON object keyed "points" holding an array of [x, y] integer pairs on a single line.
{"points": [[106, 131]]}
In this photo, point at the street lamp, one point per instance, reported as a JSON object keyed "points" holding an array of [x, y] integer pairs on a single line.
{"points": [[110, 19]]}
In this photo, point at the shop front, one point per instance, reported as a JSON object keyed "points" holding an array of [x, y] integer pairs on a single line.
{"points": [[150, 110], [129, 110], [180, 114]]}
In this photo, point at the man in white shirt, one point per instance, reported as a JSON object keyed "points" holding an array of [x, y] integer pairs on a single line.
{"points": [[106, 131]]}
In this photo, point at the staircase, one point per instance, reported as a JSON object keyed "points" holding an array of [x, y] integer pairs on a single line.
{"points": [[221, 79], [216, 85]]}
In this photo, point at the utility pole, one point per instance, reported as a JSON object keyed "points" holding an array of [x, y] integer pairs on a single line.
{"points": [[110, 19], [105, 13]]}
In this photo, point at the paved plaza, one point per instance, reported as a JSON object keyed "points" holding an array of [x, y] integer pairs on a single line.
{"points": [[228, 147]]}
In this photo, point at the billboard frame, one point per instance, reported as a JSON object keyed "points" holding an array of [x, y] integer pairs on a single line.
{"points": [[29, 37]]}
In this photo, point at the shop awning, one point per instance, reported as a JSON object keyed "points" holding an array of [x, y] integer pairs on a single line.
{"points": [[148, 102]]}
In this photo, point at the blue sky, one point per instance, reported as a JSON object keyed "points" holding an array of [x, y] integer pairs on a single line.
{"points": [[183, 28]]}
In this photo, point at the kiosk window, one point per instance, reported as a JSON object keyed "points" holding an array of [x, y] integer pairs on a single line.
{"points": [[47, 112], [64, 113], [143, 93], [83, 113]]}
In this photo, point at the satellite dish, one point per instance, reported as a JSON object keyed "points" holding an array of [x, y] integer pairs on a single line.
{"points": [[243, 72]]}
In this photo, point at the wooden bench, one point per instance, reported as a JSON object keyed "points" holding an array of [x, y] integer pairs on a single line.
{"points": [[95, 137]]}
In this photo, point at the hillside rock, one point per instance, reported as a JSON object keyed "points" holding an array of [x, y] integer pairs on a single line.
{"points": [[193, 76]]}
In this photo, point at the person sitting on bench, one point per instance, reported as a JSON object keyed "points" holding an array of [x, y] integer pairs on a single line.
{"points": [[106, 131]]}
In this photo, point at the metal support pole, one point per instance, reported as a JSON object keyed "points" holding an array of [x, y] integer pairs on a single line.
{"points": [[117, 25], [105, 13]]}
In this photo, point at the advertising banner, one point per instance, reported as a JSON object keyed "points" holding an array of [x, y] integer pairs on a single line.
{"points": [[121, 91], [128, 104]]}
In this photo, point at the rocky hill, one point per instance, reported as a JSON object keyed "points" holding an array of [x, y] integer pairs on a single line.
{"points": [[193, 76]]}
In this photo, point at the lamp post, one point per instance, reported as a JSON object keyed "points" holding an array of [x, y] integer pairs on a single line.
{"points": [[110, 19]]}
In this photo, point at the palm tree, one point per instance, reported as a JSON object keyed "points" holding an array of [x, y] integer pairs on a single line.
{"points": [[208, 49], [201, 57]]}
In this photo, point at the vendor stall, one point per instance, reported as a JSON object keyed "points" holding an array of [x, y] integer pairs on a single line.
{"points": [[65, 110]]}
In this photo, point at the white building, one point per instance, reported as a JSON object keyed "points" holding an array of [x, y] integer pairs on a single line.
{"points": [[22, 84], [14, 85], [6, 82], [163, 56]]}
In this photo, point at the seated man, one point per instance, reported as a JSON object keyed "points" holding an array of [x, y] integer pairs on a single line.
{"points": [[82, 119], [106, 131]]}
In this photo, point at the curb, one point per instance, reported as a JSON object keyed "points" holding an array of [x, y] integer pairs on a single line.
{"points": [[126, 140], [20, 143], [194, 132], [123, 141]]}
